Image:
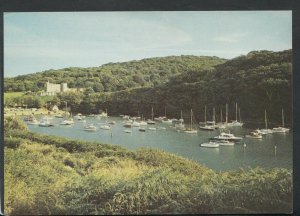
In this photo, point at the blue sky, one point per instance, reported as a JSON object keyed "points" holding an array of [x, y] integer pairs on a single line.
{"points": [[39, 41]]}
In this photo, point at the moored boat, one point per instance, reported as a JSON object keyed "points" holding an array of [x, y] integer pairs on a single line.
{"points": [[67, 122], [33, 122], [135, 124], [90, 127], [128, 125], [207, 127], [226, 136], [142, 129], [254, 135], [224, 143], [105, 127], [190, 130], [281, 129], [210, 145], [236, 123]]}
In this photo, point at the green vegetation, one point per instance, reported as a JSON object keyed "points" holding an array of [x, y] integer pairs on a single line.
{"points": [[114, 76], [52, 175], [10, 95], [257, 81]]}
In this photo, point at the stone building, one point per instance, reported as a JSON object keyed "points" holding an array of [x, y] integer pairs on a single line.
{"points": [[52, 89]]}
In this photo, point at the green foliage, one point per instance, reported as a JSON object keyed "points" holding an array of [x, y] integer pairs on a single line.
{"points": [[113, 77], [52, 175], [13, 123], [257, 81]]}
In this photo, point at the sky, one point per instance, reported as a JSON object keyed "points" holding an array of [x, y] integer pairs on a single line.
{"points": [[39, 41]]}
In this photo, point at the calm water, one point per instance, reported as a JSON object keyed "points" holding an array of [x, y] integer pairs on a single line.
{"points": [[256, 153]]}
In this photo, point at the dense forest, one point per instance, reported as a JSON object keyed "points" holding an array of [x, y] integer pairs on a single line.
{"points": [[257, 81], [114, 76], [47, 175]]}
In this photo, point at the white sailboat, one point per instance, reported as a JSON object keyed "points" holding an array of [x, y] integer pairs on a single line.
{"points": [[45, 122], [143, 122], [281, 129], [150, 121], [191, 130], [180, 125], [266, 130], [90, 127], [135, 124], [221, 125], [236, 123], [67, 121], [207, 125]]}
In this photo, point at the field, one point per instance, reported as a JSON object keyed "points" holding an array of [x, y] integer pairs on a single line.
{"points": [[10, 95], [53, 175]]}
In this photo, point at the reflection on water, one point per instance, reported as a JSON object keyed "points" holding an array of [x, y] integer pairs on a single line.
{"points": [[255, 153]]}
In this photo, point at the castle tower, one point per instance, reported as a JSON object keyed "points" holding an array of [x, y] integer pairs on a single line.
{"points": [[63, 87]]}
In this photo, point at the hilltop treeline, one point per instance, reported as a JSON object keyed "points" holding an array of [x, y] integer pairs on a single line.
{"points": [[114, 76], [257, 81], [58, 176]]}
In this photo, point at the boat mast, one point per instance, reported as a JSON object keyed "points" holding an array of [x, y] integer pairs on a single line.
{"points": [[214, 114], [226, 113], [191, 119], [282, 118], [66, 109], [221, 116], [152, 114], [205, 114], [266, 123], [236, 112], [181, 114]]}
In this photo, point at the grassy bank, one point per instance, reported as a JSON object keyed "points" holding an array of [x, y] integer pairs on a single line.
{"points": [[53, 175], [10, 95]]}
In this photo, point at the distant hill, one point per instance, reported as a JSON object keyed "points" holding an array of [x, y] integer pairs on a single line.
{"points": [[257, 81], [114, 76]]}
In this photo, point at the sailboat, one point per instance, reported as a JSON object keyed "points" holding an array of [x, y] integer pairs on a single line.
{"points": [[208, 125], [67, 121], [33, 121], [143, 122], [236, 123], [150, 121], [180, 125], [191, 130], [266, 130], [281, 129], [165, 120], [221, 125], [45, 122]]}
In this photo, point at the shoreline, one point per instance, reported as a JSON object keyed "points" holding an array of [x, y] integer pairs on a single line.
{"points": [[25, 112]]}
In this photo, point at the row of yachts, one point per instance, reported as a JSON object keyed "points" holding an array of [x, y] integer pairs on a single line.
{"points": [[141, 123]]}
